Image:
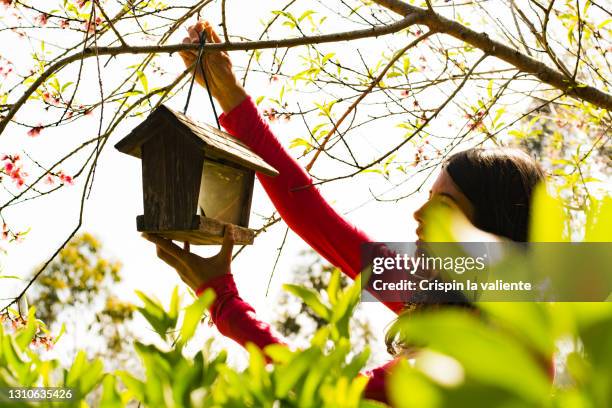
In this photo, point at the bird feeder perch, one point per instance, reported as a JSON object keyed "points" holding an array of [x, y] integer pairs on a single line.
{"points": [[196, 179]]}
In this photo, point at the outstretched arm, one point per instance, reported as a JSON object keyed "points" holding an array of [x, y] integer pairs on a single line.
{"points": [[298, 202]]}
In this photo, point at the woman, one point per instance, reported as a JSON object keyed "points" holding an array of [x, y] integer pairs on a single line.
{"points": [[492, 188]]}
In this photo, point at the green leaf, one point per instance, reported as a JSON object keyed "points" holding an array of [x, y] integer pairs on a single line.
{"points": [[352, 369], [333, 288], [110, 396], [136, 387], [193, 315], [143, 81], [287, 376], [306, 14], [599, 221], [487, 355], [84, 375], [60, 334], [343, 311], [65, 86], [404, 378], [311, 298], [279, 353], [174, 304], [547, 222], [25, 336], [155, 314]]}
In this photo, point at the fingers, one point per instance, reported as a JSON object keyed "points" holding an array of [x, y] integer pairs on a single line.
{"points": [[169, 259], [196, 30], [178, 266], [188, 58], [194, 34], [228, 243], [211, 35], [167, 246]]}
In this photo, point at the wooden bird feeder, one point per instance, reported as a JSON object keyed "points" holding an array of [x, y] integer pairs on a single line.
{"points": [[196, 179]]}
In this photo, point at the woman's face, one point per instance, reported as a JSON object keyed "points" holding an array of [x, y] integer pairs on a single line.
{"points": [[443, 191]]}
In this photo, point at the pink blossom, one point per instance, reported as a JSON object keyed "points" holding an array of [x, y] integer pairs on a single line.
{"points": [[5, 71], [64, 24], [92, 27], [271, 113], [41, 19], [6, 66], [64, 178], [35, 131], [50, 99]]}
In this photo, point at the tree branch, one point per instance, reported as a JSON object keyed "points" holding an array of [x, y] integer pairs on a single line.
{"points": [[235, 46], [512, 56], [374, 82]]}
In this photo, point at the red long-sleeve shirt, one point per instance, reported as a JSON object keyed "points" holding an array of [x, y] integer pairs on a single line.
{"points": [[307, 213]]}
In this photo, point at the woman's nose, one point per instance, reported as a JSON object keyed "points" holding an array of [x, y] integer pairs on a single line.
{"points": [[418, 214]]}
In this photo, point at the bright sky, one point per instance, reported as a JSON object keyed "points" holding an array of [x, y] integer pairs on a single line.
{"points": [[116, 198]]}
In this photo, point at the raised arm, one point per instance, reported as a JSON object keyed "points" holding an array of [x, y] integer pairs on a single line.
{"points": [[299, 203], [302, 207]]}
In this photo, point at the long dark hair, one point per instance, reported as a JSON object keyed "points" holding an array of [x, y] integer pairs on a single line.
{"points": [[499, 183]]}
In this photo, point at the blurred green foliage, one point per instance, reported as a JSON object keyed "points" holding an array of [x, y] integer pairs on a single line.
{"points": [[297, 321], [497, 357], [83, 282]]}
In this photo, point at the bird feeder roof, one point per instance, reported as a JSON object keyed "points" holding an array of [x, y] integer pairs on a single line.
{"points": [[215, 143]]}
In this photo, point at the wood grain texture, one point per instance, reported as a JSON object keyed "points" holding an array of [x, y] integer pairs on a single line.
{"points": [[203, 231], [171, 173]]}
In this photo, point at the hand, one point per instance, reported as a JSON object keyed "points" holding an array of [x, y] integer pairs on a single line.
{"points": [[193, 269], [218, 67]]}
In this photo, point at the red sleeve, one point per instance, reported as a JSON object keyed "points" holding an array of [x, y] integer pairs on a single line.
{"points": [[376, 388], [234, 317], [299, 203]]}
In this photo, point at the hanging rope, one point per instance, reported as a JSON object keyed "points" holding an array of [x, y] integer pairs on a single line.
{"points": [[195, 72]]}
